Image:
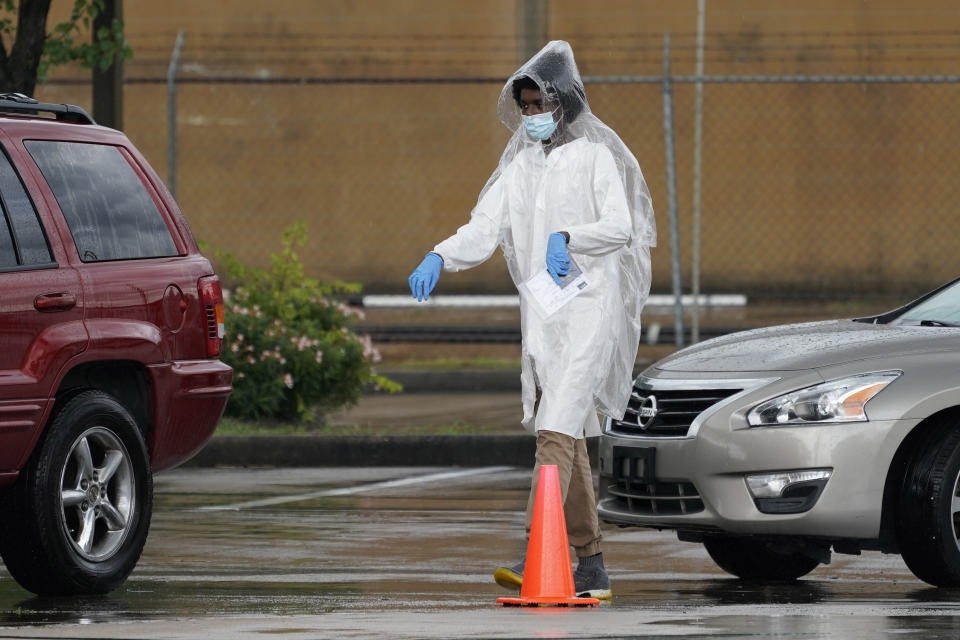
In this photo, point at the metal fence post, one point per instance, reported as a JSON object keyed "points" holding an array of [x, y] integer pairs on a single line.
{"points": [[671, 171], [697, 162], [172, 114]]}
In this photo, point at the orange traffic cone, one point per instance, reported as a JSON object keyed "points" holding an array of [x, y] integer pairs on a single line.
{"points": [[547, 576]]}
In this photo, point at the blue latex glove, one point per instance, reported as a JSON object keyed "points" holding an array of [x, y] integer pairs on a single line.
{"points": [[424, 278], [558, 262]]}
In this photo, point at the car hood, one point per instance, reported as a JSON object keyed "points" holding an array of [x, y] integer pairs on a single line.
{"points": [[809, 345]]}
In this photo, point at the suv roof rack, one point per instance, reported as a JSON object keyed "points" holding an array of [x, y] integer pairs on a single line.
{"points": [[21, 104]]}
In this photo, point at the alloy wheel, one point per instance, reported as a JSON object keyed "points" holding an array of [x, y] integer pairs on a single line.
{"points": [[98, 494]]}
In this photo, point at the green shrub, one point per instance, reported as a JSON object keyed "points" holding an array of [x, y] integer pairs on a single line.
{"points": [[290, 340]]}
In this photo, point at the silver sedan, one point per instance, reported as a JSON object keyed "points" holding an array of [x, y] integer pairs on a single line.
{"points": [[778, 446]]}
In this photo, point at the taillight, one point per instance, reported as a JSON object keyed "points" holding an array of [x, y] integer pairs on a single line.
{"points": [[211, 297]]}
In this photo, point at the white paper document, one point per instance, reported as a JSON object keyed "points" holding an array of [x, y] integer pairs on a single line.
{"points": [[547, 296]]}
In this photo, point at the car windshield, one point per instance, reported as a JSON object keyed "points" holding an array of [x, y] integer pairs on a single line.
{"points": [[939, 310]]}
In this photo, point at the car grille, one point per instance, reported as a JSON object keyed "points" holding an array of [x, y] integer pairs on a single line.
{"points": [[666, 412], [635, 486], [655, 498]]}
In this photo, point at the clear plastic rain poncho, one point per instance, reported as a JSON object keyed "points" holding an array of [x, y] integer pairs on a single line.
{"points": [[584, 181]]}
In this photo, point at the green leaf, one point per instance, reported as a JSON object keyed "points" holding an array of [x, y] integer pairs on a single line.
{"points": [[108, 45]]}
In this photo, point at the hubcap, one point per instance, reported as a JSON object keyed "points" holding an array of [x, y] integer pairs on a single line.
{"points": [[97, 494]]}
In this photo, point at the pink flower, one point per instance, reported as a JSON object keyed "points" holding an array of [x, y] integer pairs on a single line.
{"points": [[288, 380], [369, 351], [348, 311]]}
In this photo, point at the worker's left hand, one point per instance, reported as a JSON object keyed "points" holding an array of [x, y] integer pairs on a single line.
{"points": [[558, 261]]}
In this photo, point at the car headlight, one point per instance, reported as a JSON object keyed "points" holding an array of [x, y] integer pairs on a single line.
{"points": [[841, 400]]}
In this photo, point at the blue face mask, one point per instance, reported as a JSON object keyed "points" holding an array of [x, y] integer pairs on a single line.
{"points": [[540, 126]]}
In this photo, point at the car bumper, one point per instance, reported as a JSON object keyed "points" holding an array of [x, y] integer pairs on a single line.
{"points": [[699, 483], [189, 397]]}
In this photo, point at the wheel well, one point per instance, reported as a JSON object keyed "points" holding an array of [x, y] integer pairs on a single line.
{"points": [[125, 380], [930, 427]]}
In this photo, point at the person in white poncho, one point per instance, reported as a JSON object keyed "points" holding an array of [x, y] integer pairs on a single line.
{"points": [[566, 195]]}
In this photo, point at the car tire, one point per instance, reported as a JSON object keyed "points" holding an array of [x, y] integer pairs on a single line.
{"points": [[928, 510], [753, 559], [77, 518]]}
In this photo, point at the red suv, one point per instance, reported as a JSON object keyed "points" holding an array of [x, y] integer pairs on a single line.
{"points": [[111, 324]]}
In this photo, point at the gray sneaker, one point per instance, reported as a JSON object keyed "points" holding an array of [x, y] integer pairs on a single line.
{"points": [[592, 582], [510, 577]]}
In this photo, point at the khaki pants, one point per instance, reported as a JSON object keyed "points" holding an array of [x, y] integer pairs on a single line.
{"points": [[576, 489]]}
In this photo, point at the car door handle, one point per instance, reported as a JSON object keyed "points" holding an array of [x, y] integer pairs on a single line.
{"points": [[62, 301]]}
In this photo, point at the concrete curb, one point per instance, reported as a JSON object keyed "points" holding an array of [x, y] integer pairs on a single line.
{"points": [[345, 451], [390, 450]]}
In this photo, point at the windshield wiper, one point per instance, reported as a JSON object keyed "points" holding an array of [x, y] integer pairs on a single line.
{"points": [[938, 323]]}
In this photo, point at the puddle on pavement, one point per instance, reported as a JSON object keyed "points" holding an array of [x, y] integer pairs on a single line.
{"points": [[433, 549], [188, 594]]}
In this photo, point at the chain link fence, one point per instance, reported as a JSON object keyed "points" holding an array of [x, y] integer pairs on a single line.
{"points": [[825, 186], [811, 186]]}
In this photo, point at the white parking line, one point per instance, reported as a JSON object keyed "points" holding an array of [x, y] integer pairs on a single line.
{"points": [[346, 491]]}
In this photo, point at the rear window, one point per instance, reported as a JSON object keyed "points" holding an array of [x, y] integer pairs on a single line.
{"points": [[107, 207], [22, 241]]}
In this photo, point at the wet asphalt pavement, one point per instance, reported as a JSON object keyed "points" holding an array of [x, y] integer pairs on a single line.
{"points": [[409, 552]]}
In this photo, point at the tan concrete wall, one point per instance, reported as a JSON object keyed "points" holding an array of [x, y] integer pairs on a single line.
{"points": [[816, 188]]}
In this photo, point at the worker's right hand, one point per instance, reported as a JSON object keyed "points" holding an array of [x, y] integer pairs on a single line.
{"points": [[424, 278]]}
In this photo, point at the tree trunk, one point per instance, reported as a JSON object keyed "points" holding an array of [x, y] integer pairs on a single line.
{"points": [[108, 83], [18, 70]]}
